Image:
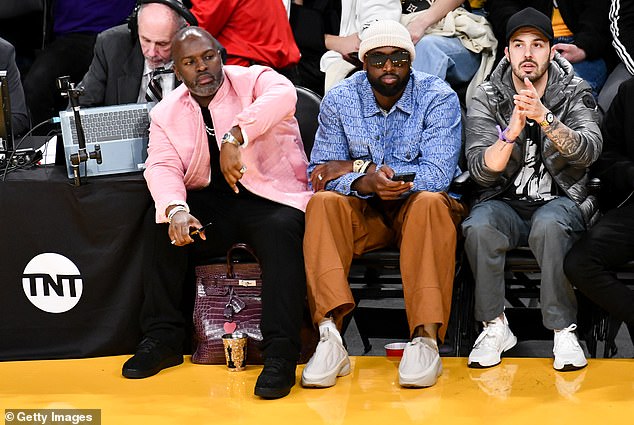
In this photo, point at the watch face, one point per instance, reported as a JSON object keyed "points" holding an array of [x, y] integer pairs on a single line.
{"points": [[550, 118]]}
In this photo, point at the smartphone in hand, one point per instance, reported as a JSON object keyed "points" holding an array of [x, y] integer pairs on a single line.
{"points": [[405, 177]]}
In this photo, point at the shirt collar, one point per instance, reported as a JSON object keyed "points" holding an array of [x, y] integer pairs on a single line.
{"points": [[147, 70]]}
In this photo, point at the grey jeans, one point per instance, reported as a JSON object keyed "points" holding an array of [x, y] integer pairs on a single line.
{"points": [[493, 228]]}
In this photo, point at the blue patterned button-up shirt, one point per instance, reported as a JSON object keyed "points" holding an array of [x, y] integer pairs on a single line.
{"points": [[421, 133]]}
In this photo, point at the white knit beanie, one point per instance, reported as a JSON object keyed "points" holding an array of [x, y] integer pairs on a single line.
{"points": [[386, 33]]}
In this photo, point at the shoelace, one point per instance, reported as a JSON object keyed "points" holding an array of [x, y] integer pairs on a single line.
{"points": [[489, 334], [566, 337]]}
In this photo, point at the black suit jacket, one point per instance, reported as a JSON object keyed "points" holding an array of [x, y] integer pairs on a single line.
{"points": [[116, 71], [19, 115]]}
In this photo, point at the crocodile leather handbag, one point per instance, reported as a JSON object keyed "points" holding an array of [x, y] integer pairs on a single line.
{"points": [[228, 300]]}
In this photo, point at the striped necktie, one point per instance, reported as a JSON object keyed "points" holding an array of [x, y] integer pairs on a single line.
{"points": [[154, 92]]}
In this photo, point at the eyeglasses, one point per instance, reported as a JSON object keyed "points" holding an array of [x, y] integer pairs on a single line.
{"points": [[398, 59]]}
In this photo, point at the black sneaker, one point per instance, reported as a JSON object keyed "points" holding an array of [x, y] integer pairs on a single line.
{"points": [[151, 357], [276, 379]]}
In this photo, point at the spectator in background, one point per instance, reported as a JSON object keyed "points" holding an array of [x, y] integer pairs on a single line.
{"points": [[19, 114], [451, 42], [76, 24], [123, 63], [622, 29], [252, 31], [581, 29], [311, 20], [610, 243]]}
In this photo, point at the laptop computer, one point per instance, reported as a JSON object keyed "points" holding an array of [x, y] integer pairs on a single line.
{"points": [[121, 131]]}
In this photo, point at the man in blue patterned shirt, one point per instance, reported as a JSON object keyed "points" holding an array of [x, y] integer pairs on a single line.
{"points": [[385, 153]]}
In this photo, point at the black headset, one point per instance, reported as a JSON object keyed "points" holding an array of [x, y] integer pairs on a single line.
{"points": [[175, 5]]}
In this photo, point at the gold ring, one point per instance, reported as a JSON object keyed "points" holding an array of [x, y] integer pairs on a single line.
{"points": [[243, 169]]}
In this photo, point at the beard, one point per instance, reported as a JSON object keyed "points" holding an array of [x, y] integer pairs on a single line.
{"points": [[533, 76], [206, 90], [388, 90]]}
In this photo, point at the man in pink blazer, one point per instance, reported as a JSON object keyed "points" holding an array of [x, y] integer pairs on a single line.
{"points": [[225, 148]]}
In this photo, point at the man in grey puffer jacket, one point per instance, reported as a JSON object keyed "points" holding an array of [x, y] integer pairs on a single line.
{"points": [[533, 183]]}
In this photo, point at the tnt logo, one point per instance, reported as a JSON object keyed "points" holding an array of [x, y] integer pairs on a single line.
{"points": [[52, 283]]}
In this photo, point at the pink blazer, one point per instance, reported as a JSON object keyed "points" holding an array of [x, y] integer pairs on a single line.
{"points": [[262, 103]]}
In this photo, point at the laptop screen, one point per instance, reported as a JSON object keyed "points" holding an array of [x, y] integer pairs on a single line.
{"points": [[6, 133], [120, 132]]}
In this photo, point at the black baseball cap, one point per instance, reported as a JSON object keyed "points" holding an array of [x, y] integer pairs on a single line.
{"points": [[530, 17]]}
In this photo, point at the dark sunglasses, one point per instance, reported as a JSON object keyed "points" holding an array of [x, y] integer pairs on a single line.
{"points": [[398, 59]]}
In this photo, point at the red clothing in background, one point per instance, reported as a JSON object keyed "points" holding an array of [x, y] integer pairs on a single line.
{"points": [[252, 31]]}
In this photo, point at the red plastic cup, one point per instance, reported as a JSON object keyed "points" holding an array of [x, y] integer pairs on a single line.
{"points": [[395, 349]]}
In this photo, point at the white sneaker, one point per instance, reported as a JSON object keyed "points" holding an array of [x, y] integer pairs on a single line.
{"points": [[496, 337], [568, 353], [329, 361], [420, 365]]}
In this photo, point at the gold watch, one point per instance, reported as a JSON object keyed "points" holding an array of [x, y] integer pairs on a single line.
{"points": [[548, 119]]}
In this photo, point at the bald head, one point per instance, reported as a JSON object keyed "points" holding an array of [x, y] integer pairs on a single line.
{"points": [[197, 62], [157, 25], [185, 33]]}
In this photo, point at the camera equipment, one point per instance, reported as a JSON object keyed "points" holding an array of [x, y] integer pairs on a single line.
{"points": [[69, 90]]}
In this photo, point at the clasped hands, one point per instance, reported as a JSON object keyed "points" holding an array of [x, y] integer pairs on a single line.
{"points": [[527, 106]]}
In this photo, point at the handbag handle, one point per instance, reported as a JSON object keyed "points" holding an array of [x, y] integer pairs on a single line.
{"points": [[230, 253]]}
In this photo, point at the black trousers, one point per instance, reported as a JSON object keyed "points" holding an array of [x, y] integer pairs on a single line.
{"points": [[590, 262], [275, 232]]}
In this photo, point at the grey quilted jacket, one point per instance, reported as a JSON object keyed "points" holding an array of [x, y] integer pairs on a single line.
{"points": [[569, 98]]}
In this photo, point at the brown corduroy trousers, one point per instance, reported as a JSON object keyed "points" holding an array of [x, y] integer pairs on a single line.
{"points": [[423, 226]]}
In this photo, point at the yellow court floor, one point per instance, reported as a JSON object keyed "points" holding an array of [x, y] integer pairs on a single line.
{"points": [[519, 391]]}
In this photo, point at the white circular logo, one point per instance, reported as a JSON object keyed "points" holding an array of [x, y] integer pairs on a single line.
{"points": [[52, 283]]}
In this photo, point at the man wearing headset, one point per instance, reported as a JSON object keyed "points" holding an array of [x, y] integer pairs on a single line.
{"points": [[126, 56]]}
